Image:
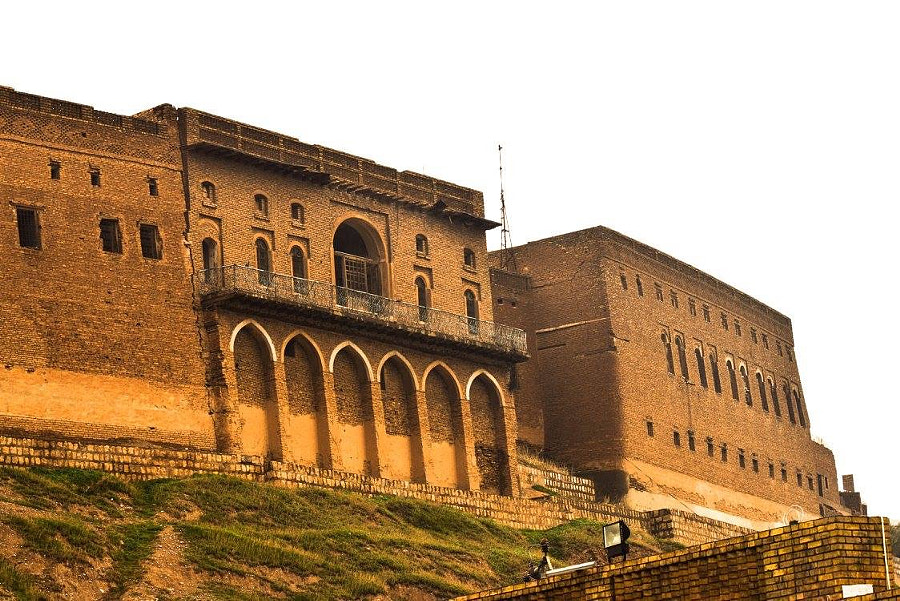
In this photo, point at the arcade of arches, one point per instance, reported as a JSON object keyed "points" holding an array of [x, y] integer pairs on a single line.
{"points": [[346, 411]]}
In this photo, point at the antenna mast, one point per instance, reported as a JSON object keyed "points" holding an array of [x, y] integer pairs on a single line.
{"points": [[507, 259]]}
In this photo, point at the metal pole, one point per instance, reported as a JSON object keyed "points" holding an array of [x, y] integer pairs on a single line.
{"points": [[887, 572]]}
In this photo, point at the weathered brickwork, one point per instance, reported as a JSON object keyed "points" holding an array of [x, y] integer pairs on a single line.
{"points": [[633, 381], [805, 561]]}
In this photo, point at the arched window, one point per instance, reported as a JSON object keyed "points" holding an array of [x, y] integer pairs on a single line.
{"points": [[670, 363], [748, 397], [421, 245], [261, 204], [297, 213], [358, 260], [732, 377], [800, 417], [263, 262], [774, 391], [423, 298], [701, 367], [472, 311], [682, 358], [790, 405], [714, 367], [298, 270], [209, 191], [210, 260], [469, 258], [762, 391]]}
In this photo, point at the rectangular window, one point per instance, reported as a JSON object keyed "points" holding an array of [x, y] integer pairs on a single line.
{"points": [[724, 321], [799, 479], [756, 465], [649, 428], [809, 481], [154, 187], [790, 354], [706, 313], [624, 281], [676, 438], [95, 178], [741, 460], [640, 286], [753, 335], [54, 169], [692, 307], [111, 236], [692, 445], [765, 340], [710, 449], [151, 245], [724, 452], [737, 327], [29, 228], [783, 473], [659, 295], [673, 297], [771, 470], [778, 346]]}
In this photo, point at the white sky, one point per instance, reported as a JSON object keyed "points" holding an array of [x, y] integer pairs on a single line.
{"points": [[758, 141]]}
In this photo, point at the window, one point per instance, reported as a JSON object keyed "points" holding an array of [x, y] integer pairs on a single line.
{"points": [[298, 270], [297, 213], [54, 169], [778, 347], [210, 250], [706, 313], [775, 404], [755, 463], [714, 367], [670, 363], [732, 377], [724, 321], [724, 451], [790, 405], [29, 228], [673, 298], [263, 262], [111, 236], [423, 298], [469, 258], [763, 397], [737, 327], [692, 444], [472, 311], [741, 461], [649, 428], [819, 484], [261, 204], [154, 187], [748, 398], [800, 417], [692, 307], [209, 192], [640, 286], [682, 358], [790, 354], [421, 245], [771, 470], [659, 295], [624, 281], [676, 438], [710, 448], [799, 479], [783, 472], [95, 178], [151, 245], [753, 336], [765, 340], [701, 367], [809, 482]]}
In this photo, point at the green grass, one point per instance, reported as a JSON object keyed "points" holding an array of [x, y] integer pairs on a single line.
{"points": [[296, 544], [20, 585]]}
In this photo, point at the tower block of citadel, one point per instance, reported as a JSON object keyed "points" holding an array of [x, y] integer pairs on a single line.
{"points": [[179, 280], [666, 386]]}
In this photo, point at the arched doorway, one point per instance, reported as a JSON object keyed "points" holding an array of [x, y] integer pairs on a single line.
{"points": [[403, 446], [490, 438], [359, 260], [353, 396], [210, 260], [448, 451], [306, 425], [256, 394]]}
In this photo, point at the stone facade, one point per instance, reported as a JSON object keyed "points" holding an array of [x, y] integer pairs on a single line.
{"points": [[666, 386]]}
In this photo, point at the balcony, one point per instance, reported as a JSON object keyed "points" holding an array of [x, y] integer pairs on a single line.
{"points": [[324, 300]]}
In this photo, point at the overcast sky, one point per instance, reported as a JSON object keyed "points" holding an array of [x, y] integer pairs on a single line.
{"points": [[758, 141]]}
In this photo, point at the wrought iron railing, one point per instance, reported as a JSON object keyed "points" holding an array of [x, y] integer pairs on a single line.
{"points": [[321, 295]]}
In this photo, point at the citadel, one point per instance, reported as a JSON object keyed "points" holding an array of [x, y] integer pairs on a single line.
{"points": [[184, 292]]}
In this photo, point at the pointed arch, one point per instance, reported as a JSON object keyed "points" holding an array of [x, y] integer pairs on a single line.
{"points": [[262, 332], [489, 376], [309, 340], [359, 351], [404, 360], [450, 373]]}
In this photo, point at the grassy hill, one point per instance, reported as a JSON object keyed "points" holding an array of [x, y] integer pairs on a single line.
{"points": [[87, 535]]}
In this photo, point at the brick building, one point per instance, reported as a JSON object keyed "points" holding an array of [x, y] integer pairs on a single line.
{"points": [[663, 384], [179, 279]]}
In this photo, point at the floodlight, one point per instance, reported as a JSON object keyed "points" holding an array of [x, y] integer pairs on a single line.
{"points": [[615, 539]]}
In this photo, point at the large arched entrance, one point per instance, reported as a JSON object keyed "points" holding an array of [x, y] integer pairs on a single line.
{"points": [[256, 394], [448, 451], [359, 260], [490, 438], [403, 447], [306, 425], [353, 396]]}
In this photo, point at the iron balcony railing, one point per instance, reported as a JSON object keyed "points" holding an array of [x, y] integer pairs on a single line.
{"points": [[325, 296]]}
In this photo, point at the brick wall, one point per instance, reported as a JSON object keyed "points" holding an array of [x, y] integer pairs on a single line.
{"points": [[810, 560]]}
